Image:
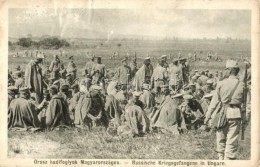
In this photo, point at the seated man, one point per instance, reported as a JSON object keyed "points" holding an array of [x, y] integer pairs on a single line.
{"points": [[57, 113], [22, 113], [90, 110], [148, 100], [192, 112], [136, 122], [167, 116]]}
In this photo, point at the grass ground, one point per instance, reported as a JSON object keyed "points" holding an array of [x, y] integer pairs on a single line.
{"points": [[98, 145]]}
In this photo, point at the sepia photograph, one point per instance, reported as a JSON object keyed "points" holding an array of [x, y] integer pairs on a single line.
{"points": [[127, 83]]}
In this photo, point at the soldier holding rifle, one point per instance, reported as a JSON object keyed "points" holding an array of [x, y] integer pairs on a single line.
{"points": [[226, 108]]}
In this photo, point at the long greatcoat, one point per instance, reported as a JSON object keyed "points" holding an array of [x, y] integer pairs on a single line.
{"points": [[57, 113], [22, 114], [33, 80], [167, 116]]}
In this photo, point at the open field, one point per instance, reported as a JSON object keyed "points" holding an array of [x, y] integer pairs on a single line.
{"points": [[97, 144], [154, 49]]}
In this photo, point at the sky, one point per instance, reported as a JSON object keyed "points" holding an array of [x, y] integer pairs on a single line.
{"points": [[130, 23]]}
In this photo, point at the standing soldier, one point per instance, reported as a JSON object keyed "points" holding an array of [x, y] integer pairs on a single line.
{"points": [[89, 65], [164, 60], [143, 75], [123, 73], [175, 76], [98, 73], [159, 77], [185, 70], [227, 119], [33, 78], [133, 66], [195, 56], [71, 68], [55, 67]]}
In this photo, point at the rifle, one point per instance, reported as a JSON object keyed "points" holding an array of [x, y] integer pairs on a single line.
{"points": [[127, 87], [243, 111]]}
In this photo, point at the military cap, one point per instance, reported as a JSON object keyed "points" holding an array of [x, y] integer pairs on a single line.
{"points": [[209, 81], [68, 74], [147, 58], [163, 56], [196, 70], [96, 87], [18, 72], [12, 88], [24, 90], [137, 94], [181, 59], [146, 86], [74, 86], [208, 96], [206, 70], [40, 56], [179, 95], [231, 64], [188, 97], [65, 87]]}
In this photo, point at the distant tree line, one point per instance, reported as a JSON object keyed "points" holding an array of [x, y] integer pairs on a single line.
{"points": [[46, 43]]}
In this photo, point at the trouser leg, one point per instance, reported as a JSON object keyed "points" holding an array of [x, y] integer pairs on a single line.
{"points": [[232, 137], [221, 141]]}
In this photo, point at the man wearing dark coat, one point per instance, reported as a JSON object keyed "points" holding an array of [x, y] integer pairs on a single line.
{"points": [[22, 113], [57, 113], [33, 78]]}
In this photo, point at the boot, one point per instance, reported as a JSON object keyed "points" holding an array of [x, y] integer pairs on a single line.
{"points": [[220, 156]]}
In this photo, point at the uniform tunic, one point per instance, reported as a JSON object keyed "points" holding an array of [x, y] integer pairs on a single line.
{"points": [[228, 135], [123, 74]]}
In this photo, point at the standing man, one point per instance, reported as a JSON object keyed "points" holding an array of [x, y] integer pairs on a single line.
{"points": [[143, 75], [98, 73], [185, 70], [160, 76], [164, 59], [123, 73], [89, 65], [229, 92], [33, 78], [72, 68], [55, 67], [175, 76]]}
